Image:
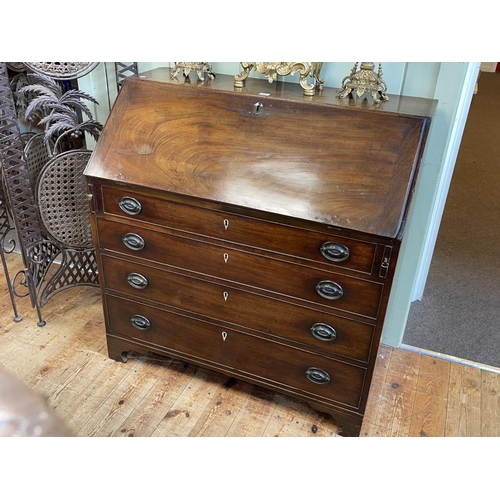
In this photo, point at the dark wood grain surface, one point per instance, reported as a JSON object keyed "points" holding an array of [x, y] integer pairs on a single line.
{"points": [[361, 297], [277, 317], [327, 163], [276, 364], [222, 214], [255, 233]]}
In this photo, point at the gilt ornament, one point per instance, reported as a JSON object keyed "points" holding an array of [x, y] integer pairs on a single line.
{"points": [[364, 80], [198, 67], [272, 69]]}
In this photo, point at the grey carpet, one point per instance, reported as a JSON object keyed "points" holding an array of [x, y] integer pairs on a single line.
{"points": [[459, 314]]}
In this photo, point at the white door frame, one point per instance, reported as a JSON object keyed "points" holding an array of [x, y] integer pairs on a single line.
{"points": [[445, 180]]}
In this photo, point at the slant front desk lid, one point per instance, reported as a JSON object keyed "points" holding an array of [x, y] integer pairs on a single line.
{"points": [[267, 147]]}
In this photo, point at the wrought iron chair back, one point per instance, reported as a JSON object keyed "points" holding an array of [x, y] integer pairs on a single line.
{"points": [[42, 231]]}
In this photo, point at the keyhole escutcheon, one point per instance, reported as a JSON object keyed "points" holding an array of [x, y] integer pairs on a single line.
{"points": [[257, 108], [225, 295], [226, 258]]}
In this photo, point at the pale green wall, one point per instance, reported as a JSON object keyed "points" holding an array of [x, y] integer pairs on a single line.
{"points": [[444, 82], [441, 81]]}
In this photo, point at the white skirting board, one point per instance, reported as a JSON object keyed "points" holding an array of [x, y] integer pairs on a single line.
{"points": [[453, 359]]}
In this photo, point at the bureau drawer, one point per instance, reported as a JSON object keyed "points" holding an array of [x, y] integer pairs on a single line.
{"points": [[225, 348], [323, 288], [324, 247], [340, 336]]}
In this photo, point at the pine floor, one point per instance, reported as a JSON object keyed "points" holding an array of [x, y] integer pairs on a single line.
{"points": [[413, 394]]}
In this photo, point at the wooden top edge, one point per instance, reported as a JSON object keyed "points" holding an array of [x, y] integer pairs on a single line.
{"points": [[399, 104]]}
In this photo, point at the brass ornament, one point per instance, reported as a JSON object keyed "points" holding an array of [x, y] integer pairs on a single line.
{"points": [[198, 67], [364, 80], [272, 69]]}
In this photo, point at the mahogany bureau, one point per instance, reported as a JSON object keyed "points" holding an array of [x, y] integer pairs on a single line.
{"points": [[254, 231]]}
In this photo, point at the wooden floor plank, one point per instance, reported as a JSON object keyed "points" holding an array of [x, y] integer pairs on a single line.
{"points": [[51, 341], [190, 409], [19, 340], [397, 395], [375, 403], [24, 330], [255, 413], [463, 413], [60, 379], [25, 347], [319, 425], [60, 353], [65, 369], [288, 419], [226, 403], [108, 419], [431, 397], [490, 404], [144, 420], [95, 383]]}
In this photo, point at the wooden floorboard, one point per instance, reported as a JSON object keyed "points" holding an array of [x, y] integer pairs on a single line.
{"points": [[490, 403], [398, 394], [431, 396], [66, 362], [463, 412]]}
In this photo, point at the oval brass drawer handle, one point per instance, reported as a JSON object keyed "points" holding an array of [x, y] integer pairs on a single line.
{"points": [[130, 205], [329, 290], [317, 376], [336, 252], [323, 332], [140, 322], [138, 281], [134, 241]]}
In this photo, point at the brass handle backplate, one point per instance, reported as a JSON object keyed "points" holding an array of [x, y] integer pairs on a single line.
{"points": [[140, 322], [336, 252], [330, 290], [134, 241], [138, 281], [317, 376], [323, 332], [130, 205]]}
